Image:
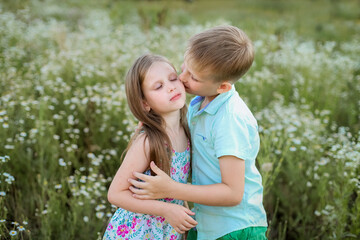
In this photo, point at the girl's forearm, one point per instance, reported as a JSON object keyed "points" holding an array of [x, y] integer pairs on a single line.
{"points": [[126, 201]]}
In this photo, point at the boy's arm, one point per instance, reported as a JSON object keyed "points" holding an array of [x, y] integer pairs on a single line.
{"points": [[227, 193], [120, 196]]}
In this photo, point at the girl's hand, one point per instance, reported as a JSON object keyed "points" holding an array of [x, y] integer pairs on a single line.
{"points": [[178, 217], [153, 187]]}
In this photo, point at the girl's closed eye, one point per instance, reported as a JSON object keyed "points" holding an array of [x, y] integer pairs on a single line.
{"points": [[158, 86]]}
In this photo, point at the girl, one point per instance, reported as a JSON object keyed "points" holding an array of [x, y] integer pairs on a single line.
{"points": [[156, 97]]}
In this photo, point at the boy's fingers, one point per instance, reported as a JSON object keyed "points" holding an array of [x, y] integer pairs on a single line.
{"points": [[139, 126], [141, 197], [136, 183], [137, 191], [141, 176], [155, 168]]}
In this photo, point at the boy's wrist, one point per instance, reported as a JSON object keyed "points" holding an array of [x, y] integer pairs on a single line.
{"points": [[171, 191]]}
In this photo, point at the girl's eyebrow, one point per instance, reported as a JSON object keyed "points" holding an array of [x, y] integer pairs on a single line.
{"points": [[156, 82], [173, 75], [161, 80]]}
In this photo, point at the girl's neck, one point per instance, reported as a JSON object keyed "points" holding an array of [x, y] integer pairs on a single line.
{"points": [[176, 132], [172, 123]]}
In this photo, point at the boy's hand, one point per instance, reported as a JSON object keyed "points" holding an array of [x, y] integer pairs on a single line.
{"points": [[178, 217], [138, 127], [153, 187]]}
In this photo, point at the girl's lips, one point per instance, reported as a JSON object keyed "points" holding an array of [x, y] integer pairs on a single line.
{"points": [[176, 97]]}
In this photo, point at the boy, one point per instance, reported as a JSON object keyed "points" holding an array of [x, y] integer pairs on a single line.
{"points": [[226, 185]]}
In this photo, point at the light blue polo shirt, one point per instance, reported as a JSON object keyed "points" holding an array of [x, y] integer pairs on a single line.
{"points": [[225, 126]]}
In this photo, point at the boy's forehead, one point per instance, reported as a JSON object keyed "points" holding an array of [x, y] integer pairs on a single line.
{"points": [[193, 69], [191, 66]]}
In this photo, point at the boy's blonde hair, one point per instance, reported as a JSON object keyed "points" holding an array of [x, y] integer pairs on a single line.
{"points": [[225, 52]]}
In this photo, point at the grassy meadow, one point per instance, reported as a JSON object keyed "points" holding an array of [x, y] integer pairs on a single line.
{"points": [[64, 120]]}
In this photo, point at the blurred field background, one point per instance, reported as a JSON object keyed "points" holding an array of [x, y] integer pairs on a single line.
{"points": [[64, 120]]}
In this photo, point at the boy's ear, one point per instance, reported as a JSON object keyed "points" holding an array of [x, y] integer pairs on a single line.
{"points": [[146, 106], [224, 87]]}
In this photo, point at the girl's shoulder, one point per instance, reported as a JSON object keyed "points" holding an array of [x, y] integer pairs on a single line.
{"points": [[141, 142]]}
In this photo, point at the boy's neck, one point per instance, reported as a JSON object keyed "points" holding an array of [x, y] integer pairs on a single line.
{"points": [[224, 87], [207, 100]]}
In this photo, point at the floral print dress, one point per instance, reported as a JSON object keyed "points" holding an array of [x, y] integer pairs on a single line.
{"points": [[129, 225]]}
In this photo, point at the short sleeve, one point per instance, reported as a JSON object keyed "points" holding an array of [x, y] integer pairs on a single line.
{"points": [[235, 136]]}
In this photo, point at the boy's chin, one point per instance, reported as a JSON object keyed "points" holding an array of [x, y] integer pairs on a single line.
{"points": [[188, 90]]}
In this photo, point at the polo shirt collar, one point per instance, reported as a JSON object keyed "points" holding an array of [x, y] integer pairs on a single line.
{"points": [[215, 104]]}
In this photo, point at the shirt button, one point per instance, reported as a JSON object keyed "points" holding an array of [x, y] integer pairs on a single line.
{"points": [[193, 123]]}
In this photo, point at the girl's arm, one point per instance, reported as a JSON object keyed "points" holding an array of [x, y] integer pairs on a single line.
{"points": [[119, 195], [227, 193]]}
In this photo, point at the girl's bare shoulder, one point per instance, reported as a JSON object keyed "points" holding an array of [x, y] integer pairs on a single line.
{"points": [[140, 144]]}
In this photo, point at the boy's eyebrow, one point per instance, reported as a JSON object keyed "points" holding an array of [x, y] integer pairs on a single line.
{"points": [[192, 74], [194, 77]]}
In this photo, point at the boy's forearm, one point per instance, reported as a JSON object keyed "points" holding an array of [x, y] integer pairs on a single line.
{"points": [[218, 194], [227, 193]]}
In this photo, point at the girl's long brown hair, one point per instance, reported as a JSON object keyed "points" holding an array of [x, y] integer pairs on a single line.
{"points": [[153, 124]]}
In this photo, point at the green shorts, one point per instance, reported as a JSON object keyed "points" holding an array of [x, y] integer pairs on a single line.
{"points": [[251, 233]]}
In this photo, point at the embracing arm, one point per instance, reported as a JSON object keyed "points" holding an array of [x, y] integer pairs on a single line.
{"points": [[227, 193], [120, 196]]}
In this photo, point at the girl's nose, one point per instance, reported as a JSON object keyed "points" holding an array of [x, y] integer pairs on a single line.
{"points": [[171, 89]]}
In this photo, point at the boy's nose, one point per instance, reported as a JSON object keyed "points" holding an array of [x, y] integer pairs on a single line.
{"points": [[182, 67], [182, 74], [182, 77]]}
